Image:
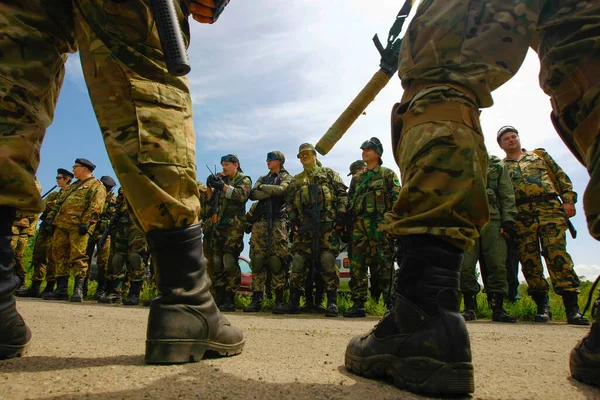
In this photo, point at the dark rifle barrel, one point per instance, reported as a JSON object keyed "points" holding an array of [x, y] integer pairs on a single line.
{"points": [[171, 39], [113, 221], [49, 191]]}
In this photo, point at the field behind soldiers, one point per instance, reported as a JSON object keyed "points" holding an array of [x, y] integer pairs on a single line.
{"points": [[94, 351]]}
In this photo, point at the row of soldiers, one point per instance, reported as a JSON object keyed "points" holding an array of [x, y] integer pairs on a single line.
{"points": [[75, 225]]}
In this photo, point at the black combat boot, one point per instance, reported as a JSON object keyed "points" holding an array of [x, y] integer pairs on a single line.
{"points": [[62, 290], [48, 289], [422, 342], [470, 300], [574, 316], [78, 290], [319, 307], [256, 305], [278, 298], [585, 357], [543, 313], [293, 306], [85, 287], [332, 308], [33, 291], [357, 310], [309, 302], [113, 292], [228, 304], [100, 290], [184, 321], [496, 302], [133, 297], [14, 334], [219, 295]]}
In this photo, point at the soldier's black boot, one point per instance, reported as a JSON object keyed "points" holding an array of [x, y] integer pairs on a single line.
{"points": [[574, 316], [78, 291], [256, 305], [357, 310], [62, 290], [133, 297], [332, 308], [14, 334], [48, 289], [278, 299], [113, 292], [33, 291], [319, 295], [543, 313], [470, 300], [184, 321], [496, 302], [219, 295], [422, 342], [293, 306], [85, 287], [585, 357], [309, 303], [100, 289], [228, 304]]}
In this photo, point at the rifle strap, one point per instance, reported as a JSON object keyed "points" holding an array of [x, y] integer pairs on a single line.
{"points": [[360, 185], [550, 172], [70, 190]]}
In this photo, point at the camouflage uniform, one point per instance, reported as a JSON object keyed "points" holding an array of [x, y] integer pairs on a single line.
{"points": [[103, 254], [332, 200], [49, 228], [23, 228], [81, 204], [491, 245], [228, 233], [541, 222], [372, 193], [270, 191], [39, 258]]}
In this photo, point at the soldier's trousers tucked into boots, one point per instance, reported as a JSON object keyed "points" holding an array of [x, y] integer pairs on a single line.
{"points": [[422, 342], [14, 334], [184, 321]]}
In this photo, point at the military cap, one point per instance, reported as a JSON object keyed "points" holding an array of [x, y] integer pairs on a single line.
{"points": [[108, 182], [65, 173], [232, 158], [276, 155], [505, 129], [306, 147], [86, 163], [374, 144], [358, 164]]}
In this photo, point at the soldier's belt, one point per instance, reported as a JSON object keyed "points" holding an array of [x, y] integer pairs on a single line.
{"points": [[536, 199]]}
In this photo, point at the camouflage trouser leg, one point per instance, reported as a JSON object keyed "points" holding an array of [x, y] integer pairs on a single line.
{"points": [[69, 249], [468, 274], [268, 253], [51, 268], [39, 258], [493, 251], [546, 235], [19, 243], [145, 114]]}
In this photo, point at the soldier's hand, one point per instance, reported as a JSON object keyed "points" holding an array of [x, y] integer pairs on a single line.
{"points": [[569, 210], [218, 185], [83, 229], [207, 11], [340, 221], [508, 229], [294, 228]]}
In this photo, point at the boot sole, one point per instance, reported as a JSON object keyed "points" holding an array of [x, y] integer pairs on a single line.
{"points": [[179, 351], [12, 351], [417, 374], [589, 374]]}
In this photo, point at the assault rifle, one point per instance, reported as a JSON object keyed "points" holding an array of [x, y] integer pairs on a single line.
{"points": [[111, 224], [216, 198], [49, 191], [170, 36], [315, 228], [387, 68]]}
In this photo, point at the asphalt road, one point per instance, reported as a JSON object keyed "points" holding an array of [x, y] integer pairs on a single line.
{"points": [[96, 351]]}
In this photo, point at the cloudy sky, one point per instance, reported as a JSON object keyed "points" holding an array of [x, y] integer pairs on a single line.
{"points": [[272, 75]]}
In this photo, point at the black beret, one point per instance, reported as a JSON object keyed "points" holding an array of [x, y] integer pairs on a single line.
{"points": [[65, 172], [86, 163], [108, 182]]}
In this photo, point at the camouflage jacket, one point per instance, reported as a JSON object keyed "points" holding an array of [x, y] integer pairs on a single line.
{"points": [[270, 190], [373, 192], [500, 192], [232, 202], [82, 203], [529, 175], [333, 198], [27, 222], [108, 210]]}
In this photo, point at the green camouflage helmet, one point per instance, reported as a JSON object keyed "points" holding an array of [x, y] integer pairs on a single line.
{"points": [[358, 164], [276, 155], [306, 147]]}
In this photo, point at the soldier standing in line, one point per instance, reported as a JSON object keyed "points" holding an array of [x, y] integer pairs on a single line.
{"points": [[541, 224], [331, 202], [127, 252], [269, 243], [41, 249], [103, 254], [23, 228], [232, 188], [491, 246], [372, 193], [76, 215]]}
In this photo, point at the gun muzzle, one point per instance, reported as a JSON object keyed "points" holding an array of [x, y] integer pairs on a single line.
{"points": [[170, 36]]}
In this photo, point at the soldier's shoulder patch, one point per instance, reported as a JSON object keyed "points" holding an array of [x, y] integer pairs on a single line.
{"points": [[396, 181]]}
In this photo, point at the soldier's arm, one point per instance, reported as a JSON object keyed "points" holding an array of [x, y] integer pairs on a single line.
{"points": [[341, 192], [565, 185], [256, 193], [506, 196], [96, 199], [241, 192], [393, 187], [293, 212], [278, 190]]}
